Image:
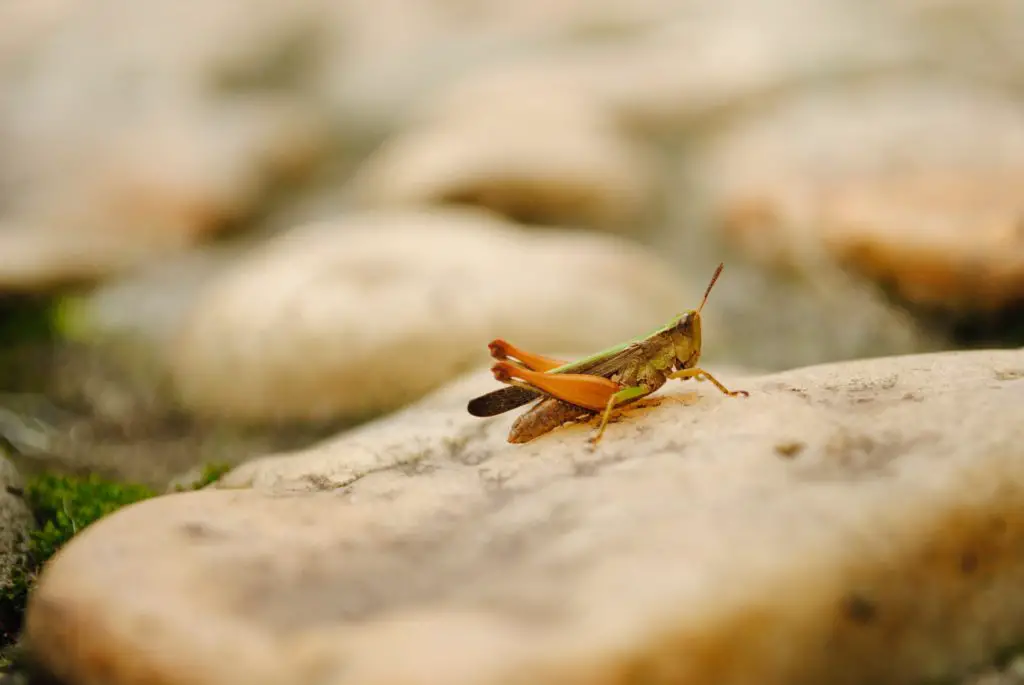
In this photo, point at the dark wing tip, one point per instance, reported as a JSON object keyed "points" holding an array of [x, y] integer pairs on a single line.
{"points": [[500, 401], [479, 406]]}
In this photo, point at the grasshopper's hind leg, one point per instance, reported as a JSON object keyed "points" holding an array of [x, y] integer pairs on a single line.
{"points": [[701, 374], [502, 349], [589, 392]]}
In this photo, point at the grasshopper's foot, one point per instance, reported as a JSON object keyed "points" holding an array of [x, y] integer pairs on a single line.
{"points": [[605, 417], [725, 390], [702, 375]]}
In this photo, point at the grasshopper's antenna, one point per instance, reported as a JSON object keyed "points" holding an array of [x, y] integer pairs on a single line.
{"points": [[707, 292]]}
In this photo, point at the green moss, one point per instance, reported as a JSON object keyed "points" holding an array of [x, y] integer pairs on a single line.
{"points": [[25, 318], [211, 474], [13, 657], [62, 507]]}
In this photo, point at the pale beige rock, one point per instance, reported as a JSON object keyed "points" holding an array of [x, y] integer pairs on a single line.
{"points": [[364, 313], [654, 65], [383, 58], [846, 523], [132, 130], [943, 237], [981, 40], [162, 186], [894, 180], [533, 154], [25, 23]]}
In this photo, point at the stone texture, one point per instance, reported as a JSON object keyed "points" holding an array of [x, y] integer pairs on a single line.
{"points": [[531, 153], [846, 523], [366, 312], [15, 519], [894, 180]]}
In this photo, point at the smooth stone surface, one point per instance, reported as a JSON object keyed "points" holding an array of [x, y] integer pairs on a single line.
{"points": [[894, 180], [531, 153], [369, 311], [130, 131], [846, 523], [703, 61], [376, 70], [166, 183], [980, 40]]}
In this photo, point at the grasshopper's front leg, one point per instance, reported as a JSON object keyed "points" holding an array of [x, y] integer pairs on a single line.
{"points": [[591, 392], [701, 374], [501, 349]]}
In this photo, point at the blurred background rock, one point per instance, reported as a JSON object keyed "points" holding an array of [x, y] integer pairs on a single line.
{"points": [[231, 227]]}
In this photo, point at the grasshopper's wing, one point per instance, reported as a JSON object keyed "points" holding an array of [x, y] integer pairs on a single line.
{"points": [[501, 400], [605, 365], [608, 361]]}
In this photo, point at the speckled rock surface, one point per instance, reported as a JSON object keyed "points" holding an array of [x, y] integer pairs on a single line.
{"points": [[15, 519], [847, 523], [366, 312]]}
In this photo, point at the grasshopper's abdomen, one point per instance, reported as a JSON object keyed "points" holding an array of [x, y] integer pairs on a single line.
{"points": [[545, 416]]}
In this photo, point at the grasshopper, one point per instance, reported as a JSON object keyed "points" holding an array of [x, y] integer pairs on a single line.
{"points": [[600, 383]]}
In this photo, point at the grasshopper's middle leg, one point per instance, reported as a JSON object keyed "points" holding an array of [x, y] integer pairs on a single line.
{"points": [[624, 395], [701, 374]]}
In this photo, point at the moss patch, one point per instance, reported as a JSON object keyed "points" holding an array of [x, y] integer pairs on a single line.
{"points": [[26, 318], [211, 474], [63, 506]]}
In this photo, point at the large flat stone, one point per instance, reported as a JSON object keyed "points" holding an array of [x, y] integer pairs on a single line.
{"points": [[847, 523]]}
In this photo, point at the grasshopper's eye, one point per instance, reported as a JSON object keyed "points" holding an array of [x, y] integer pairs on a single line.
{"points": [[686, 322]]}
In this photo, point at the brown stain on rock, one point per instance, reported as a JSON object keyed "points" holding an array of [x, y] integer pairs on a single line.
{"points": [[790, 449]]}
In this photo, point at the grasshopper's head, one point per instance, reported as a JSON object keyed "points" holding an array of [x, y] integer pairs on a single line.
{"points": [[685, 331]]}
